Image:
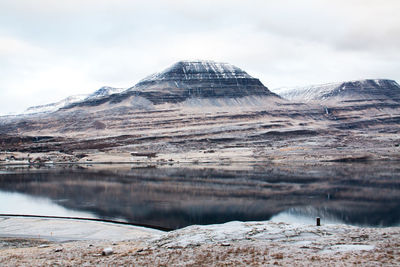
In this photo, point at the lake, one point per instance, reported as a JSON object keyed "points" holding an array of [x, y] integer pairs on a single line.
{"points": [[364, 194]]}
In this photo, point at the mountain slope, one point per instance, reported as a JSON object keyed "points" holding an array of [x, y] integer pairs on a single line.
{"points": [[55, 106], [362, 104], [378, 89], [100, 93], [104, 91]]}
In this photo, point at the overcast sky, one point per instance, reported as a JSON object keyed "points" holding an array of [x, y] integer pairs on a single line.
{"points": [[53, 49]]}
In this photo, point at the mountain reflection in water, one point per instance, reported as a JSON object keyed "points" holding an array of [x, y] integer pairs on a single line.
{"points": [[174, 197]]}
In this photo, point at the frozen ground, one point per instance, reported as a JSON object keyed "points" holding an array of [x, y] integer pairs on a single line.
{"points": [[229, 244], [62, 230]]}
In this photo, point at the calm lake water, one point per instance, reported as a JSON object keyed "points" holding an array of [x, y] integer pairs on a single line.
{"points": [[174, 197]]}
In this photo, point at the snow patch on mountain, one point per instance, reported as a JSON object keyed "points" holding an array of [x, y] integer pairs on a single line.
{"points": [[366, 89], [197, 70], [105, 91], [55, 106], [102, 92], [141, 103]]}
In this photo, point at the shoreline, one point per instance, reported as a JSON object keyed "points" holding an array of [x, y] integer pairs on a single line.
{"points": [[160, 228], [195, 163]]}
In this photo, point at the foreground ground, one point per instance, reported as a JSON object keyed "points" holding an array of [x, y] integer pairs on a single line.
{"points": [[230, 244]]}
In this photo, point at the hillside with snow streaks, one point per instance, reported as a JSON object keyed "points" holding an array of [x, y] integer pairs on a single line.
{"points": [[378, 89], [199, 79], [47, 108], [204, 70], [105, 91], [55, 106]]}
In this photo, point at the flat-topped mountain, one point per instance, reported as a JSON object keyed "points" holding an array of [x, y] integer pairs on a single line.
{"points": [[201, 79], [197, 70], [191, 79], [378, 89]]}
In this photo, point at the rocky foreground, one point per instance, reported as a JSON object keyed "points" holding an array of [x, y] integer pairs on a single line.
{"points": [[229, 244]]}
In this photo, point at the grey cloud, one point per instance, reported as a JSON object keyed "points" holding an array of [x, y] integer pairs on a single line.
{"points": [[89, 43], [342, 24]]}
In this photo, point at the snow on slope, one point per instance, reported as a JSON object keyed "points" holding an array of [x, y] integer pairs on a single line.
{"points": [[204, 70], [305, 93], [55, 106], [102, 92], [361, 88]]}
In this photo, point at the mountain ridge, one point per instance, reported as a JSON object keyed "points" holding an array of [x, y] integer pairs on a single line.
{"points": [[187, 80], [73, 99], [364, 89]]}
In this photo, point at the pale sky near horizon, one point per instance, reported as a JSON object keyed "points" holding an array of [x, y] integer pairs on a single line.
{"points": [[53, 49]]}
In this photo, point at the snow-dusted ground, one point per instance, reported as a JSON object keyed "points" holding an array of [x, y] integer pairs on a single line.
{"points": [[323, 238], [69, 230], [229, 244]]}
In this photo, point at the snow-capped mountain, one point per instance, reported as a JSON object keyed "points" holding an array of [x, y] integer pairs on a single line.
{"points": [[197, 70], [102, 92], [186, 79], [378, 89], [55, 106]]}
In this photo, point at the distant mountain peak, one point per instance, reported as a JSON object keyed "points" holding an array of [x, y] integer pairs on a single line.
{"points": [[105, 91], [74, 99], [51, 107]]}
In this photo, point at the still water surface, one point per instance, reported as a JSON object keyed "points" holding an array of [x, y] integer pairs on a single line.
{"points": [[174, 197]]}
